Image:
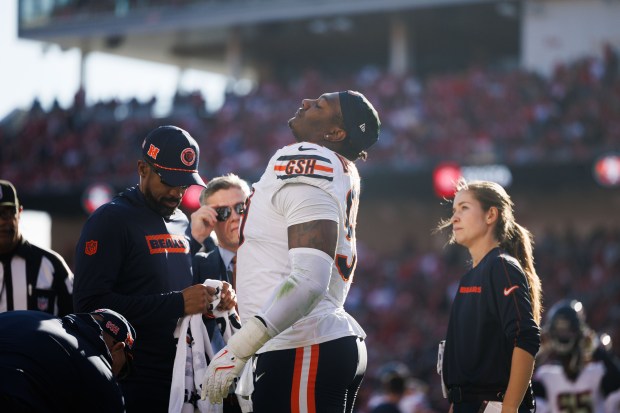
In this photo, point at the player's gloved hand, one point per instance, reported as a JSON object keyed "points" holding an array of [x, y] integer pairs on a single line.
{"points": [[228, 363], [224, 367]]}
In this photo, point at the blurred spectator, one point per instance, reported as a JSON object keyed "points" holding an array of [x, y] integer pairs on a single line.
{"points": [[400, 393], [394, 378], [514, 117]]}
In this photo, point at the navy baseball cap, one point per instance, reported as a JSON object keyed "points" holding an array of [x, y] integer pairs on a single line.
{"points": [[174, 153], [8, 194], [361, 120], [118, 327]]}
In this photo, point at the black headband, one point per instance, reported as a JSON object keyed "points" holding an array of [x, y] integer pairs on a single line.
{"points": [[361, 121]]}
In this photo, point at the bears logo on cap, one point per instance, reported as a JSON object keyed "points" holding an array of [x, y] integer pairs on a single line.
{"points": [[188, 157]]}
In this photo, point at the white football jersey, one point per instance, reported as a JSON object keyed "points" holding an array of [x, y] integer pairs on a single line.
{"points": [[263, 260], [563, 395]]}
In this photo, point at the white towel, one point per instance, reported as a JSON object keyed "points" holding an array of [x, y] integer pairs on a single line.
{"points": [[200, 350], [190, 365], [190, 362]]}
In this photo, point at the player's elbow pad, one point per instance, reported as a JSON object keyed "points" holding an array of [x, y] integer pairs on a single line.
{"points": [[298, 294]]}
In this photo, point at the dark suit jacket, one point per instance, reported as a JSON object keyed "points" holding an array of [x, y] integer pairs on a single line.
{"points": [[209, 265]]}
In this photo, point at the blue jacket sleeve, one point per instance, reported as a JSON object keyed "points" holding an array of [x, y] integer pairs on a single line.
{"points": [[512, 296]]}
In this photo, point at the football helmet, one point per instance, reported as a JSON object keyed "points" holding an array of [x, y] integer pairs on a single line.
{"points": [[565, 326], [394, 377]]}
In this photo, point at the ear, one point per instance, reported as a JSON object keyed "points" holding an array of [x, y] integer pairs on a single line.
{"points": [[118, 355], [142, 168], [117, 350], [492, 215], [119, 346], [336, 135]]}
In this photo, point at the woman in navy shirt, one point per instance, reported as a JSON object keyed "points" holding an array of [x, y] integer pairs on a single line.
{"points": [[493, 332]]}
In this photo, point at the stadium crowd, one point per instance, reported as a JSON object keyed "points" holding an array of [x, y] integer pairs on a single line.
{"points": [[479, 116]]}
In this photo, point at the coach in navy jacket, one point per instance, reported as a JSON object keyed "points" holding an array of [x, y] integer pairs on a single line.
{"points": [[134, 256]]}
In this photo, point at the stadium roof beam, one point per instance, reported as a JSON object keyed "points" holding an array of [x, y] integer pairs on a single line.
{"points": [[249, 38], [214, 15]]}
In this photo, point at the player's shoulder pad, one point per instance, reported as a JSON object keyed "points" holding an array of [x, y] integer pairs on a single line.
{"points": [[306, 161]]}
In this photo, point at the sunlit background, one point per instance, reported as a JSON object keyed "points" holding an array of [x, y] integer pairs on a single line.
{"points": [[524, 93]]}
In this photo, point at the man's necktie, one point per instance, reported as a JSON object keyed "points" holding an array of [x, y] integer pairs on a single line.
{"points": [[233, 280]]}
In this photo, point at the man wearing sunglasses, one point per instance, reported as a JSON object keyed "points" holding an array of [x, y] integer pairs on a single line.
{"points": [[135, 255], [222, 207], [295, 265], [50, 364]]}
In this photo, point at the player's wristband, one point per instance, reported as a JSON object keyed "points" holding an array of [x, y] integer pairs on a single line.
{"points": [[249, 339]]}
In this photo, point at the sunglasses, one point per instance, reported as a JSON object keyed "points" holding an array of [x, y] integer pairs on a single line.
{"points": [[183, 187], [223, 213]]}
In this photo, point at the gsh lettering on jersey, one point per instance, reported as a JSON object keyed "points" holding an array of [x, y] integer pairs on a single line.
{"points": [[314, 166]]}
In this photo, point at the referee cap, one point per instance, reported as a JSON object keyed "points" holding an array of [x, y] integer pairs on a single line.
{"points": [[174, 154], [361, 121], [8, 194]]}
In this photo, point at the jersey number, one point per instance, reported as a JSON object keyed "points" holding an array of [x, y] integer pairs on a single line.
{"points": [[342, 261], [575, 402]]}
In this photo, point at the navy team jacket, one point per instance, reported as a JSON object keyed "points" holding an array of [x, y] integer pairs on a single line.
{"points": [[132, 260]]}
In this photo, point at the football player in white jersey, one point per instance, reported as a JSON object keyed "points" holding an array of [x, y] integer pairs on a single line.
{"points": [[580, 372], [295, 265]]}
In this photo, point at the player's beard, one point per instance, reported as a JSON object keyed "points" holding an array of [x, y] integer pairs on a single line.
{"points": [[291, 125], [158, 206]]}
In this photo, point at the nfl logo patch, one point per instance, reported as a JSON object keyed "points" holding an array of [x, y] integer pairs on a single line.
{"points": [[90, 248]]}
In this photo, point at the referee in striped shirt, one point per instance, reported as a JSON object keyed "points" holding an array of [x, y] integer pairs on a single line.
{"points": [[31, 277]]}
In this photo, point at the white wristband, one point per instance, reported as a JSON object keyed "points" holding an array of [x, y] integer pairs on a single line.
{"points": [[249, 339]]}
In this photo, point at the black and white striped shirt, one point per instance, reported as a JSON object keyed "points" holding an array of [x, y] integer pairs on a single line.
{"points": [[34, 278]]}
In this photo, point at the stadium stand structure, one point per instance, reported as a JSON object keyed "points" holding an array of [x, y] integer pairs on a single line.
{"points": [[263, 38]]}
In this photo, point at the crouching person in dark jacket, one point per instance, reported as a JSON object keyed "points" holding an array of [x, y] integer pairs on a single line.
{"points": [[68, 364]]}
